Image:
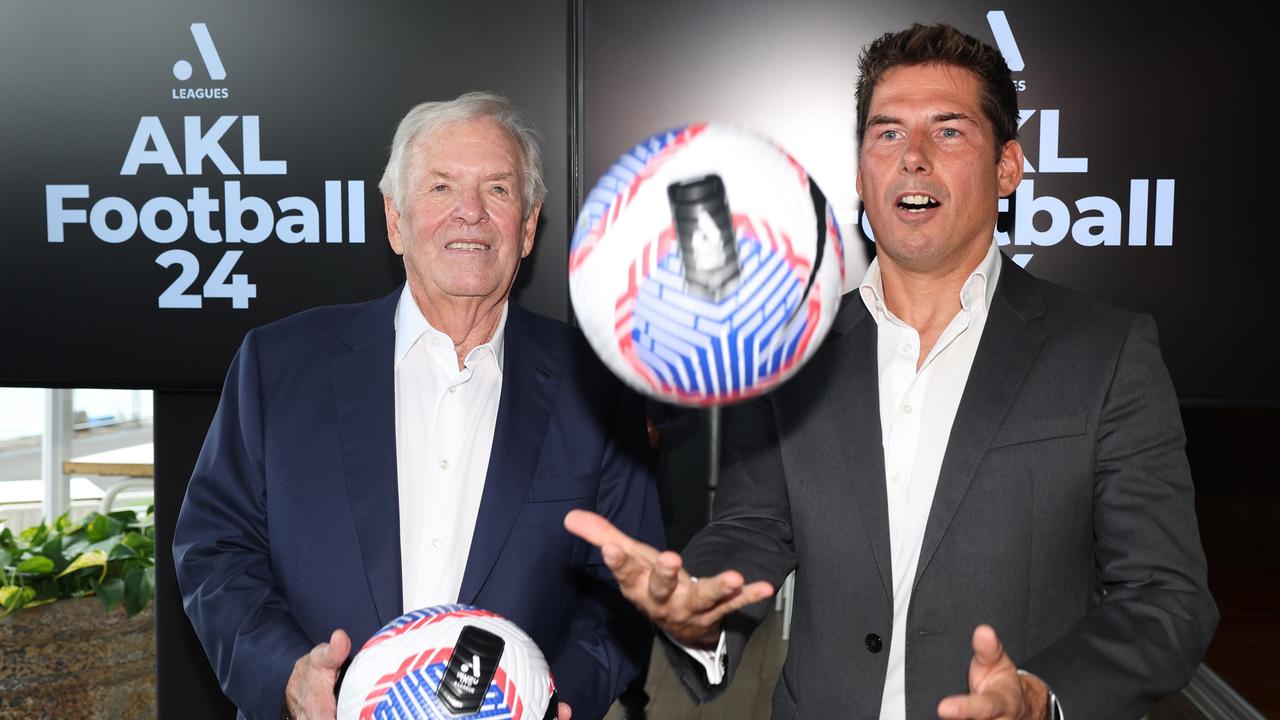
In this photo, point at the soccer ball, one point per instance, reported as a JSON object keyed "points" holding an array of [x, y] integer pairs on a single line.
{"points": [[706, 266], [448, 662]]}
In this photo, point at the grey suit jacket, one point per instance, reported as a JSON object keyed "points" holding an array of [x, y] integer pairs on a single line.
{"points": [[1063, 517]]}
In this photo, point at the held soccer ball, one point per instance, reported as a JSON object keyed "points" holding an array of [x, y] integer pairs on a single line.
{"points": [[706, 266], [448, 662]]}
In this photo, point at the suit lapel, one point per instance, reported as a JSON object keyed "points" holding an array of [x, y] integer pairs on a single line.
{"points": [[531, 374], [364, 391], [854, 403], [1010, 342]]}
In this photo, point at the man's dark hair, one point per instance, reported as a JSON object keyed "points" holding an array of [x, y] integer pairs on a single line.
{"points": [[942, 45]]}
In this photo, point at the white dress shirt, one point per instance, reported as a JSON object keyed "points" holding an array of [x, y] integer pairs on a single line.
{"points": [[917, 408], [445, 420]]}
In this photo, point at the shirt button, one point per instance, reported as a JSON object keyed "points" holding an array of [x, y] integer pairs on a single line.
{"points": [[895, 479], [444, 464], [453, 389], [907, 349], [436, 542], [873, 642], [906, 409]]}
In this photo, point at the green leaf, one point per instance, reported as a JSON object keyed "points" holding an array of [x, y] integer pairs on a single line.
{"points": [[35, 535], [64, 525], [73, 546], [54, 551], [102, 527], [139, 586], [122, 552], [110, 592], [13, 597], [93, 558], [128, 517], [36, 565], [141, 543]]}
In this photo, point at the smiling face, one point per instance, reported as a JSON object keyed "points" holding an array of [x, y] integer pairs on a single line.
{"points": [[462, 228], [928, 173]]}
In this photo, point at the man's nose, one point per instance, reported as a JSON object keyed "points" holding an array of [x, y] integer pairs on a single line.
{"points": [[470, 207], [915, 156]]}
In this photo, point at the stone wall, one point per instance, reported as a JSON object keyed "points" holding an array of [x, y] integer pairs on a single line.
{"points": [[72, 659]]}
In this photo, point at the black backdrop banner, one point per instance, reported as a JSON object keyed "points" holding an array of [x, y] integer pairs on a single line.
{"points": [[1133, 122], [175, 173]]}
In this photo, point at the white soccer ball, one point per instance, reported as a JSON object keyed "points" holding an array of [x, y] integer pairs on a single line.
{"points": [[449, 662], [706, 266]]}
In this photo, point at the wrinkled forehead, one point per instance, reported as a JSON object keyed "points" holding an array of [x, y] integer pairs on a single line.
{"points": [[934, 83], [479, 144]]}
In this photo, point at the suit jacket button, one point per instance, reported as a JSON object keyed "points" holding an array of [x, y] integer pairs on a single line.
{"points": [[873, 642]]}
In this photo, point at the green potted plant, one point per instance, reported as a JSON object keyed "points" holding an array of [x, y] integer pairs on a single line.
{"points": [[111, 556]]}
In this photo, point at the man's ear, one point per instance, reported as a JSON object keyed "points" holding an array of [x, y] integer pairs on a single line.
{"points": [[393, 224], [1009, 167], [530, 229]]}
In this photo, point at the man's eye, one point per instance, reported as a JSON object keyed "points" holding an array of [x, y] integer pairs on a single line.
{"points": [[950, 133], [890, 135], [439, 187], [499, 189]]}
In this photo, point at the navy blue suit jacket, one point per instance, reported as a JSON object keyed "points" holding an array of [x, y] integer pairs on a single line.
{"points": [[290, 526]]}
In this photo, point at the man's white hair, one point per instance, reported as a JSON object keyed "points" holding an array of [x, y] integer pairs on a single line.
{"points": [[425, 119]]}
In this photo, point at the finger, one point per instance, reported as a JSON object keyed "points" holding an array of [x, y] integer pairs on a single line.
{"points": [[750, 594], [598, 531], [564, 712], [970, 707], [630, 570], [665, 576], [987, 649], [729, 587], [331, 655]]}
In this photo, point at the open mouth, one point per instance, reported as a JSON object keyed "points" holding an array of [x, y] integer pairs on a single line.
{"points": [[464, 245], [917, 203]]}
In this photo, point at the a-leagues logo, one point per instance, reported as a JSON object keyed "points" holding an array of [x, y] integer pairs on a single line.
{"points": [[182, 69], [1005, 41]]}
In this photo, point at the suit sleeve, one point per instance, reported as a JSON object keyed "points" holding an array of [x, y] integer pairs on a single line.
{"points": [[1155, 617], [750, 533], [222, 556], [608, 639]]}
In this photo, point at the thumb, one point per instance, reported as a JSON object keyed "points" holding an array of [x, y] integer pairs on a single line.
{"points": [[334, 653], [987, 649]]}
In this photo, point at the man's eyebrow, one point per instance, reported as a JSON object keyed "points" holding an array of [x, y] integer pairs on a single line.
{"points": [[883, 120], [950, 116], [446, 175]]}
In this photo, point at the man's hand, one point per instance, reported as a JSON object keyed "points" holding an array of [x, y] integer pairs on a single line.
{"points": [[309, 693], [996, 690], [563, 711], [691, 612]]}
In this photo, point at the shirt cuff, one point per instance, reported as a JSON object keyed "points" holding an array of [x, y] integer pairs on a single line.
{"points": [[712, 661]]}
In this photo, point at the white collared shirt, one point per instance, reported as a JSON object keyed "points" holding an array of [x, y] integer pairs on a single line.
{"points": [[445, 420], [917, 408]]}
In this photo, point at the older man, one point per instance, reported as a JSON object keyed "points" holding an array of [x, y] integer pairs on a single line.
{"points": [[419, 449]]}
